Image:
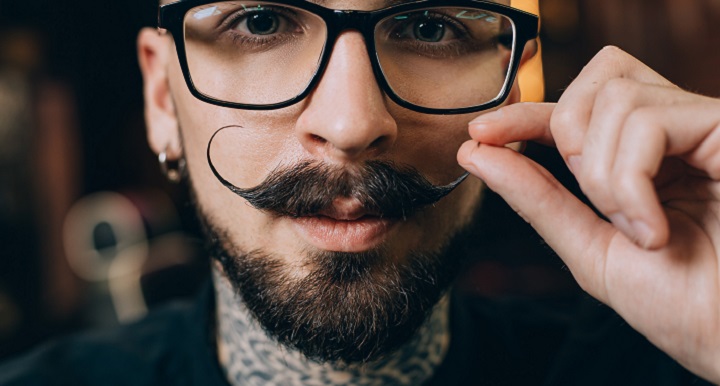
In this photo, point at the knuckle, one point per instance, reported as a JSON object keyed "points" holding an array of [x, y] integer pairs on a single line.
{"points": [[641, 124], [706, 157], [610, 55], [641, 118], [566, 129], [623, 181], [593, 180], [612, 50], [619, 91], [565, 119], [598, 183]]}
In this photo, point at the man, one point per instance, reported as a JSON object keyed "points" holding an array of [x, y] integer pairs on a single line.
{"points": [[322, 151]]}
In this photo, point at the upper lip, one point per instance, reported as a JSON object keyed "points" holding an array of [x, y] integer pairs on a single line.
{"points": [[346, 209]]}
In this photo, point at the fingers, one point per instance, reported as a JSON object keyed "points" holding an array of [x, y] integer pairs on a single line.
{"points": [[568, 226], [514, 123], [613, 104], [605, 72], [602, 177], [648, 136], [565, 124], [614, 126]]}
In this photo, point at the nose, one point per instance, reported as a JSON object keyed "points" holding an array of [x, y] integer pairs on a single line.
{"points": [[345, 118]]}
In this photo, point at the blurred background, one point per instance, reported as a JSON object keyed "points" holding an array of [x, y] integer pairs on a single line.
{"points": [[92, 235]]}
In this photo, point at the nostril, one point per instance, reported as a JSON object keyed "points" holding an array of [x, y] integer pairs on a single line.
{"points": [[318, 139], [379, 142]]}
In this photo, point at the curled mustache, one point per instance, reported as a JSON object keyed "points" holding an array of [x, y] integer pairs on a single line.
{"points": [[382, 187]]}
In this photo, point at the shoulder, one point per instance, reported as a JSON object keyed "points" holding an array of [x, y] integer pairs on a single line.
{"points": [[141, 353]]}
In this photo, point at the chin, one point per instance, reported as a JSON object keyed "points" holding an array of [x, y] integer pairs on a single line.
{"points": [[346, 307]]}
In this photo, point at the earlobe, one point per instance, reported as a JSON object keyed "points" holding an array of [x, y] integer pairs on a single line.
{"points": [[531, 75], [162, 124], [531, 49]]}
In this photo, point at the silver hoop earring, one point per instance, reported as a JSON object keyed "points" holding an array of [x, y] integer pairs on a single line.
{"points": [[173, 170]]}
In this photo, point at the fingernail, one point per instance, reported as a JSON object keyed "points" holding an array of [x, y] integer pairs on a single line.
{"points": [[622, 224], [638, 231], [488, 118], [471, 167], [643, 233], [465, 156], [574, 164]]}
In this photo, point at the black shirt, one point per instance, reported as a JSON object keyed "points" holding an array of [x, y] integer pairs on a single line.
{"points": [[509, 342]]}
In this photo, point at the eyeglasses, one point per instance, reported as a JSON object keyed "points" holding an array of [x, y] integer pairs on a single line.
{"points": [[433, 56]]}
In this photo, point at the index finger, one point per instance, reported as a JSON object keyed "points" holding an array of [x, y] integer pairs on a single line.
{"points": [[564, 124], [514, 123]]}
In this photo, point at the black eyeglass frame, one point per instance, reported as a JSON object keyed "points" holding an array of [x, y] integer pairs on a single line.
{"points": [[171, 18]]}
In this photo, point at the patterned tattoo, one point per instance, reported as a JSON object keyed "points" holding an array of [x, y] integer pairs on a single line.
{"points": [[250, 357]]}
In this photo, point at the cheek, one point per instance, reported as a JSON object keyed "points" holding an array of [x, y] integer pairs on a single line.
{"points": [[243, 155], [431, 142], [433, 227], [251, 145]]}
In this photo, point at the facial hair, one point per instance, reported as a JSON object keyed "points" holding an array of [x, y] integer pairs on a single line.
{"points": [[383, 187], [350, 307]]}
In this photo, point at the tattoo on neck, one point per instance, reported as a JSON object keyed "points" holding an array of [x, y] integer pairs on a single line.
{"points": [[250, 357]]}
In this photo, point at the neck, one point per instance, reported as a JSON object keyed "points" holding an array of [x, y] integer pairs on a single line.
{"points": [[250, 357]]}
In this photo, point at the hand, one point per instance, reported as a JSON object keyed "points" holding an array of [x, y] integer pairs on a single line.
{"points": [[647, 155]]}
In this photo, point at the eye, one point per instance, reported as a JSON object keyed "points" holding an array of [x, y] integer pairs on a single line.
{"points": [[263, 23], [429, 30], [426, 27]]}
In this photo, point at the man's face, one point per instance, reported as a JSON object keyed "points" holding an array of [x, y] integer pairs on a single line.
{"points": [[343, 126]]}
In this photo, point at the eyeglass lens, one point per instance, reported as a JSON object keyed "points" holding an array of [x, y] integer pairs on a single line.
{"points": [[265, 53]]}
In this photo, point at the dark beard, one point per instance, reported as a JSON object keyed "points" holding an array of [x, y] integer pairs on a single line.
{"points": [[350, 308], [385, 188]]}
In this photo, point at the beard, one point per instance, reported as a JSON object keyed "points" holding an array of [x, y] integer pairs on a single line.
{"points": [[349, 307]]}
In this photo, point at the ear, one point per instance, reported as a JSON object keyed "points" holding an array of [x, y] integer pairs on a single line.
{"points": [[154, 50], [531, 49], [531, 78]]}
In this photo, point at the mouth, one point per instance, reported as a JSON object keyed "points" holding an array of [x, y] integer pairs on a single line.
{"points": [[345, 226]]}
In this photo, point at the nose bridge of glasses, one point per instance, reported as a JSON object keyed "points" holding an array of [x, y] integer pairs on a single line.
{"points": [[344, 20], [359, 22]]}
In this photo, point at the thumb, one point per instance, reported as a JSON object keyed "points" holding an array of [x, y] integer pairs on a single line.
{"points": [[567, 225]]}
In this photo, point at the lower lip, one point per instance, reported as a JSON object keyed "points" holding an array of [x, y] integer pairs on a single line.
{"points": [[344, 236]]}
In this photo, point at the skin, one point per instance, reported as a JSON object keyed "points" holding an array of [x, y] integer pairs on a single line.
{"points": [[345, 121], [645, 154]]}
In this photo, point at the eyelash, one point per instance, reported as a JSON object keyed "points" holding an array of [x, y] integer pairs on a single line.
{"points": [[453, 48], [228, 24], [458, 28]]}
